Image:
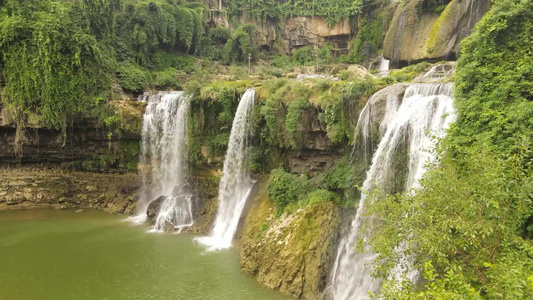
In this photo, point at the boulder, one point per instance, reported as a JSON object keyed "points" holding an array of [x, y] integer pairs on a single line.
{"points": [[154, 207]]}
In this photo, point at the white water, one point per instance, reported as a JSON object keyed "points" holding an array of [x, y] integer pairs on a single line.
{"points": [[426, 110], [164, 160], [364, 137], [383, 66], [236, 184]]}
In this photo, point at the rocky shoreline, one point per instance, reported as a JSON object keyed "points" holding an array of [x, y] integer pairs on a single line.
{"points": [[33, 188]]}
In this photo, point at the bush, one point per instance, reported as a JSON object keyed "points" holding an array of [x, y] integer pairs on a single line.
{"points": [[303, 56], [407, 73], [281, 61], [319, 196], [132, 78], [464, 227], [167, 80], [284, 188], [164, 60], [218, 144], [294, 114], [241, 43], [344, 75], [219, 35]]}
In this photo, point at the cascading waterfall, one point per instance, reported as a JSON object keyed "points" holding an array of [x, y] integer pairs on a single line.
{"points": [[425, 110], [164, 160], [236, 184]]}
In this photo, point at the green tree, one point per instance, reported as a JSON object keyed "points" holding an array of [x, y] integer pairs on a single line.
{"points": [[51, 66]]}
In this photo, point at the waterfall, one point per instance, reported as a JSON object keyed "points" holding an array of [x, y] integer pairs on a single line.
{"points": [[425, 110], [164, 160], [383, 66], [236, 184]]}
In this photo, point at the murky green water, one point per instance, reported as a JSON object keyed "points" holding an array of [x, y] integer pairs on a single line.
{"points": [[47, 254]]}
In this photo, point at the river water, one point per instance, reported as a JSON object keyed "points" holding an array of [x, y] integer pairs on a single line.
{"points": [[50, 254]]}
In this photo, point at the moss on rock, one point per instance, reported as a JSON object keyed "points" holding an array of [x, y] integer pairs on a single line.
{"points": [[416, 34], [292, 253]]}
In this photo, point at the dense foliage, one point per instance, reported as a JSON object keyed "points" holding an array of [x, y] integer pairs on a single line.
{"points": [[470, 228], [331, 10], [145, 26], [289, 191], [50, 64], [59, 58]]}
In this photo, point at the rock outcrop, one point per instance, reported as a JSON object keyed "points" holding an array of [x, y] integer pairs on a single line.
{"points": [[291, 253], [417, 34]]}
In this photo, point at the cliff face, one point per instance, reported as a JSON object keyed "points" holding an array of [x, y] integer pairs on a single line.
{"points": [[291, 253], [417, 34], [86, 145], [294, 33]]}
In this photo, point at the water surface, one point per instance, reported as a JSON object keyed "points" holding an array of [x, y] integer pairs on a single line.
{"points": [[49, 254]]}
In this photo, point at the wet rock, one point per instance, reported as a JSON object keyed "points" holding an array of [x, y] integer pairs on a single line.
{"points": [[79, 211], [154, 207]]}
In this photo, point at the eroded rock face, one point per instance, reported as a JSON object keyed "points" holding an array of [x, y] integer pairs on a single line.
{"points": [[48, 147], [31, 188], [294, 32], [315, 152], [416, 35], [292, 253]]}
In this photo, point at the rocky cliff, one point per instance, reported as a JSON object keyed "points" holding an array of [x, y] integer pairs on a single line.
{"points": [[293, 33], [291, 253], [86, 145], [418, 33]]}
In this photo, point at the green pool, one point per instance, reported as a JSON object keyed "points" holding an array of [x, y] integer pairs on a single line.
{"points": [[50, 254]]}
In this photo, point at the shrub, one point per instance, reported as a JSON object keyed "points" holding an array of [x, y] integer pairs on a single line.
{"points": [[167, 80], [319, 196], [281, 61], [219, 35], [132, 78], [164, 60], [344, 75], [294, 113], [284, 188], [303, 56]]}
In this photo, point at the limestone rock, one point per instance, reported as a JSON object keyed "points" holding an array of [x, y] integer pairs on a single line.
{"points": [[292, 253], [416, 35], [20, 187], [294, 32], [359, 72]]}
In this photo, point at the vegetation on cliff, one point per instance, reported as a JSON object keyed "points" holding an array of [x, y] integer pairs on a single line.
{"points": [[331, 10], [470, 227]]}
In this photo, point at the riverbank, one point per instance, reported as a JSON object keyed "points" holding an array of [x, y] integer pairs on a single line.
{"points": [[22, 188]]}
